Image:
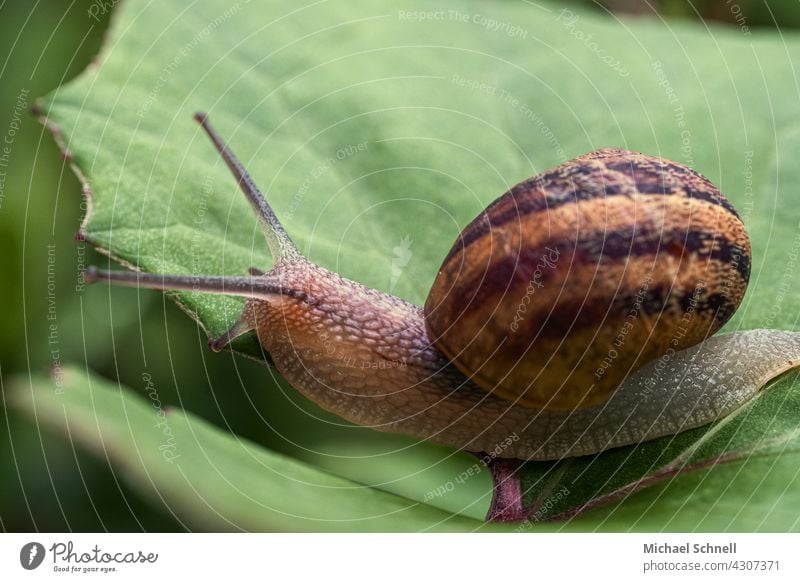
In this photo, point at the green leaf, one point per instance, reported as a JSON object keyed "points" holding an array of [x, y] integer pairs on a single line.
{"points": [[365, 123], [208, 478]]}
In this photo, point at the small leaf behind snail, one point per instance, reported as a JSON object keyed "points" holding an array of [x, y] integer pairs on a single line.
{"points": [[622, 262]]}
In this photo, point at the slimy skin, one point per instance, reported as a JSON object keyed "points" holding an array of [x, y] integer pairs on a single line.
{"points": [[382, 371]]}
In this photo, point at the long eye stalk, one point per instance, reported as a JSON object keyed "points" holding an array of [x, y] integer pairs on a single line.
{"points": [[281, 246], [259, 285]]}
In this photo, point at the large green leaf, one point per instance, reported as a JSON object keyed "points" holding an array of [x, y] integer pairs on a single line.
{"points": [[211, 480], [206, 477], [366, 123]]}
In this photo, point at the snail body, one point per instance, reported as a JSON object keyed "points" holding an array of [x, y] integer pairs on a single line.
{"points": [[638, 257]]}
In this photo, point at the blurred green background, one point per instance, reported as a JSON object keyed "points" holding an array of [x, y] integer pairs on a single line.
{"points": [[47, 484]]}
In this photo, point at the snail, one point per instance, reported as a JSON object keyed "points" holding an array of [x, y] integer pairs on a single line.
{"points": [[573, 315]]}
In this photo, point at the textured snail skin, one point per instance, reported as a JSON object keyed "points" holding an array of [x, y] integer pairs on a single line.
{"points": [[365, 356], [575, 278], [368, 356]]}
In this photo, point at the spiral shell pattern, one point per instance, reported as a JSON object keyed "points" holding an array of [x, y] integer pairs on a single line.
{"points": [[575, 278]]}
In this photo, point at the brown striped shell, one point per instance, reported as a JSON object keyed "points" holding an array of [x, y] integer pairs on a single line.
{"points": [[575, 278]]}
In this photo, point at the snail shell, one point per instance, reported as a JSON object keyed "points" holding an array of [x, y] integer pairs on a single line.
{"points": [[575, 278]]}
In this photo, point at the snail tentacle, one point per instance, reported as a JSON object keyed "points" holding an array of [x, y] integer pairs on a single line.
{"points": [[261, 287], [280, 244]]}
